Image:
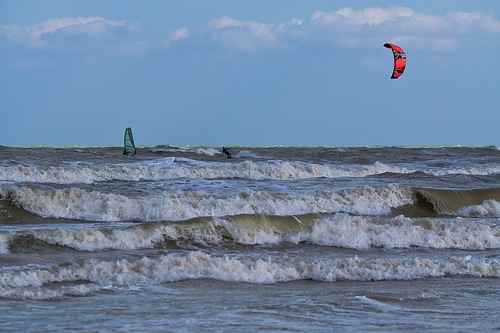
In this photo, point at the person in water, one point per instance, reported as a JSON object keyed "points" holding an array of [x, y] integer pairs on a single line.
{"points": [[225, 151]]}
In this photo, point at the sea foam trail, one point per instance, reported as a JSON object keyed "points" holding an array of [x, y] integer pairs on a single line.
{"points": [[338, 230], [90, 275], [209, 151]]}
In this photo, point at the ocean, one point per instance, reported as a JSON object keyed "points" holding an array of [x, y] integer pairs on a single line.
{"points": [[183, 239]]}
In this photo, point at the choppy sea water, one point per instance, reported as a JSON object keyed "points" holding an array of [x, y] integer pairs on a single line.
{"points": [[275, 238]]}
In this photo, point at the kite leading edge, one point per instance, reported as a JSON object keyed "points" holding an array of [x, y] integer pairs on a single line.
{"points": [[399, 60]]}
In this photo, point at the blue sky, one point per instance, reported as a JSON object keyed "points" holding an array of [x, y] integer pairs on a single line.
{"points": [[257, 73]]}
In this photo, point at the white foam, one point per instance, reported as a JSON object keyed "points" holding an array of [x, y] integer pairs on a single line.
{"points": [[4, 243], [340, 230], [93, 274], [377, 304], [489, 208], [92, 239], [167, 168], [160, 162], [401, 232], [249, 154], [76, 203], [207, 151], [197, 150]]}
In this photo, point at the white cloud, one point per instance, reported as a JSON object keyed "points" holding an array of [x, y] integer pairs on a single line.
{"points": [[176, 35], [368, 16], [245, 35], [345, 27], [88, 37], [354, 28], [39, 35], [466, 21]]}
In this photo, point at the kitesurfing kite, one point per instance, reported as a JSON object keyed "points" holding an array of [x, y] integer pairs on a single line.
{"points": [[399, 60], [128, 143]]}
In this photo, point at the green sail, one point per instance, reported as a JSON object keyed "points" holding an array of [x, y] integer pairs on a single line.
{"points": [[128, 143]]}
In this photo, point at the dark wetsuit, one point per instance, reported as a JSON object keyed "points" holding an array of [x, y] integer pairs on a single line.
{"points": [[225, 151]]}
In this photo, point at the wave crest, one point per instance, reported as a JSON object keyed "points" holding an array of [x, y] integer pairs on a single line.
{"points": [[79, 204], [174, 168], [477, 202], [338, 230], [93, 275]]}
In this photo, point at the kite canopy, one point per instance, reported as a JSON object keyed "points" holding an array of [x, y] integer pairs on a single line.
{"points": [[399, 60]]}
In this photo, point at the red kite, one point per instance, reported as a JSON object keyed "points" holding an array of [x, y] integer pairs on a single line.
{"points": [[399, 60]]}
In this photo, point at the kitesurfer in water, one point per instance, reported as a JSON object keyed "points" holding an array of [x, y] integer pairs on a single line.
{"points": [[225, 151]]}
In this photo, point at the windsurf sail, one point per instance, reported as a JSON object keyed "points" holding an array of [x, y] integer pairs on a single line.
{"points": [[128, 143], [399, 60]]}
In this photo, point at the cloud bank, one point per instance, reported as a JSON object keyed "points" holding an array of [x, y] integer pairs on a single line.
{"points": [[39, 35], [92, 37], [355, 28], [345, 27]]}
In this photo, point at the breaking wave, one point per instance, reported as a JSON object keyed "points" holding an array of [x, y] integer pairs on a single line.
{"points": [[174, 168], [338, 230], [92, 205], [93, 275], [477, 202], [79, 204]]}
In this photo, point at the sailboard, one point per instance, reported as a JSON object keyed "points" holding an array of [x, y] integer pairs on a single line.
{"points": [[128, 143]]}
